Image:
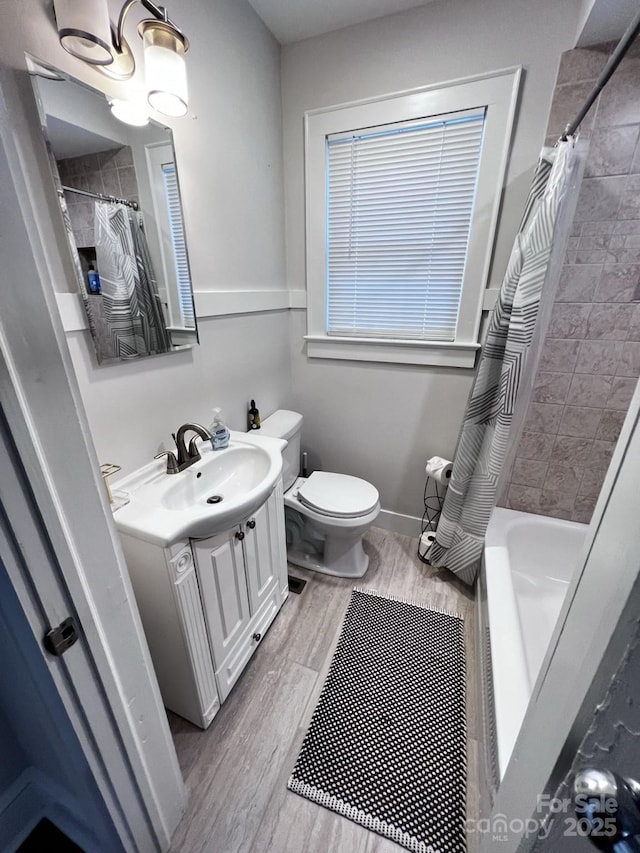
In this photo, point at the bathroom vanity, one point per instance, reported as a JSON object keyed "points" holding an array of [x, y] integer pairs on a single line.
{"points": [[206, 601]]}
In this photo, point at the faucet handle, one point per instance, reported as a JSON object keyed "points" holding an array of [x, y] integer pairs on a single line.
{"points": [[193, 451], [172, 462]]}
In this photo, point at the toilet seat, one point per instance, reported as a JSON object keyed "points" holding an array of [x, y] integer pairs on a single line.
{"points": [[338, 495]]}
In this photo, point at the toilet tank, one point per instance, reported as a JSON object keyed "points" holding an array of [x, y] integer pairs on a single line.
{"points": [[287, 425]]}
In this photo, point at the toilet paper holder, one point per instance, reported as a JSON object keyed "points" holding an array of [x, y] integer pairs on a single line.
{"points": [[434, 492]]}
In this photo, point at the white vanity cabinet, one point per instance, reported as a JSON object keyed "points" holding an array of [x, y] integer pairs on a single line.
{"points": [[241, 584], [205, 605]]}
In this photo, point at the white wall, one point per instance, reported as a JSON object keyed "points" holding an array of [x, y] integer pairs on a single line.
{"points": [[134, 408], [229, 156], [383, 421]]}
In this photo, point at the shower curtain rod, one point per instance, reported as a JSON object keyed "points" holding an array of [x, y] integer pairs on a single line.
{"points": [[110, 198], [614, 60]]}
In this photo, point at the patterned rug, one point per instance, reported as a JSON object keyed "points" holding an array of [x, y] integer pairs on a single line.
{"points": [[386, 746]]}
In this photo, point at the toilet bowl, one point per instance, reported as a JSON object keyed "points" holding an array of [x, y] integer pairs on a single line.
{"points": [[326, 514]]}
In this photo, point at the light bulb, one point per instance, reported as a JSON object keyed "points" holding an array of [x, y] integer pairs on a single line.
{"points": [[130, 112]]}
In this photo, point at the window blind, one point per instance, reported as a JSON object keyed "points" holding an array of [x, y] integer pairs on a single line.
{"points": [[400, 202], [183, 277]]}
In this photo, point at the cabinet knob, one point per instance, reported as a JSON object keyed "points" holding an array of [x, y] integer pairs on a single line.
{"points": [[251, 523], [240, 535], [257, 637]]}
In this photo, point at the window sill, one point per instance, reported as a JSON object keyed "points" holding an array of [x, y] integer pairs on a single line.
{"points": [[437, 353]]}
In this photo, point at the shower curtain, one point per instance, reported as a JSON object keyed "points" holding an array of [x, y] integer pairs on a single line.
{"points": [[484, 438], [132, 308]]}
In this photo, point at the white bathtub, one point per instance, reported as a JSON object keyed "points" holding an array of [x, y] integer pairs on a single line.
{"points": [[529, 560]]}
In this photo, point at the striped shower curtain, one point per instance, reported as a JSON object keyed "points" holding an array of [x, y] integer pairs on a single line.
{"points": [[485, 435], [132, 309]]}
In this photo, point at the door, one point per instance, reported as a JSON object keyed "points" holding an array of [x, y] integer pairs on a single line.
{"points": [[220, 567], [259, 555]]}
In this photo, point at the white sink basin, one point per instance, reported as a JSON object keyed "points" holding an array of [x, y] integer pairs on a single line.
{"points": [[226, 475], [212, 495]]}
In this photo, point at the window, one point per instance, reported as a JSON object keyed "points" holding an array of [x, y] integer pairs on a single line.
{"points": [[402, 198], [399, 205], [171, 243], [176, 227]]}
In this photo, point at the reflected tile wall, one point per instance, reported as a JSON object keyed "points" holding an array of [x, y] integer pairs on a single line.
{"points": [[110, 172], [591, 358]]}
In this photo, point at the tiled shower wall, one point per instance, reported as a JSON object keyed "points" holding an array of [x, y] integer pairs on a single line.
{"points": [[591, 356], [110, 172]]}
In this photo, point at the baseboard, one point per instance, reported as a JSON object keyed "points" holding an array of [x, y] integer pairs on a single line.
{"points": [[407, 525]]}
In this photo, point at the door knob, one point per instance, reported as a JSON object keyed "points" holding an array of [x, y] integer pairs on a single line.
{"points": [[240, 535], [257, 637], [251, 523], [610, 805]]}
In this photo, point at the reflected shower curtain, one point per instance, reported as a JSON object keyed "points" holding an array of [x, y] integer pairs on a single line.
{"points": [[485, 434], [132, 308]]}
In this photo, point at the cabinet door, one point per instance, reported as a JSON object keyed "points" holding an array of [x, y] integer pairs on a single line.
{"points": [[259, 557], [223, 588]]}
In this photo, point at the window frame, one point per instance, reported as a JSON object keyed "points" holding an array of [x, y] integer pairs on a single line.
{"points": [[498, 93], [159, 154]]}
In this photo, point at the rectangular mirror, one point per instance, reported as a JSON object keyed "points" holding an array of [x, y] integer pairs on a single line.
{"points": [[120, 200]]}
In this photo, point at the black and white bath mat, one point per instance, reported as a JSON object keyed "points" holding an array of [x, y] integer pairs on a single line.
{"points": [[386, 746]]}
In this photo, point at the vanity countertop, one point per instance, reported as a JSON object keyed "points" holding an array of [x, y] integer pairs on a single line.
{"points": [[215, 493]]}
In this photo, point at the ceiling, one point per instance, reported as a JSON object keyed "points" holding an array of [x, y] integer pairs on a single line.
{"points": [[606, 20], [69, 140], [292, 20]]}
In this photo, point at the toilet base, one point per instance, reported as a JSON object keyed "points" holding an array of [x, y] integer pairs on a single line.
{"points": [[341, 562]]}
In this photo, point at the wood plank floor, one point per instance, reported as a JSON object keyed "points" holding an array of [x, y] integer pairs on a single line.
{"points": [[236, 771]]}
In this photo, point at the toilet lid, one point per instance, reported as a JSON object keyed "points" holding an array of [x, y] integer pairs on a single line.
{"points": [[338, 495]]}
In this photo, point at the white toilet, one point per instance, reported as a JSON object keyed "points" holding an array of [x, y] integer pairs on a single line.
{"points": [[326, 514]]}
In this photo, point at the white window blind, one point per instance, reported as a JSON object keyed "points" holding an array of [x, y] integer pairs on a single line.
{"points": [[400, 201], [183, 277]]}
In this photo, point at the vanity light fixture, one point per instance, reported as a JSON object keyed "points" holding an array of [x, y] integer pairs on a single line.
{"points": [[85, 32]]}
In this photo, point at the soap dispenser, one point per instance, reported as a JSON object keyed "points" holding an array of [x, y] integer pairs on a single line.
{"points": [[219, 431]]}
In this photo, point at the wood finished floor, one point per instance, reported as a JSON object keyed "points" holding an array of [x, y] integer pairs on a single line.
{"points": [[236, 771]]}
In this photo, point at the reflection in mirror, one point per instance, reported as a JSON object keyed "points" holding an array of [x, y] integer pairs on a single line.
{"points": [[120, 199]]}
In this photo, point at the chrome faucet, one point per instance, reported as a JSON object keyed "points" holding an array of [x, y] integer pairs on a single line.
{"points": [[186, 455]]}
